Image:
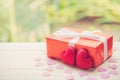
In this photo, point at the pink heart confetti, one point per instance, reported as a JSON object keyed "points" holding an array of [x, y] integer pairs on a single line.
{"points": [[82, 74], [113, 72], [111, 60], [91, 78], [45, 74], [101, 69], [113, 66], [49, 69], [69, 71], [104, 76], [39, 64], [70, 77], [60, 66], [37, 59], [51, 62]]}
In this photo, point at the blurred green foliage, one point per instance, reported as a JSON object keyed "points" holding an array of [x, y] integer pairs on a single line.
{"points": [[32, 20]]}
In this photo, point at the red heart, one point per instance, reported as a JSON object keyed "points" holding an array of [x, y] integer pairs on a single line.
{"points": [[83, 60], [68, 56]]}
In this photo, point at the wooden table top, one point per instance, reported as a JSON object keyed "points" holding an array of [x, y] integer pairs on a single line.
{"points": [[28, 61]]}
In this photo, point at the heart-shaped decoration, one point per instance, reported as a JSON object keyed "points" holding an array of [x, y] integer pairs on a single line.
{"points": [[83, 60], [68, 56]]}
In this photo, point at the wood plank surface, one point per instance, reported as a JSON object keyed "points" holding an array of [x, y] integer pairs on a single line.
{"points": [[18, 61]]}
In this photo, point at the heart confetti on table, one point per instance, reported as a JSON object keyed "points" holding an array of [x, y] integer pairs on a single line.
{"points": [[37, 59], [49, 69], [107, 72], [70, 77], [83, 73], [60, 66], [69, 71], [113, 66], [51, 62], [112, 60], [102, 69], [39, 64], [113, 72], [104, 76], [46, 74], [91, 78]]}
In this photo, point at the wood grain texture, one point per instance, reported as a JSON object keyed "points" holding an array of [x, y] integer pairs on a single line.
{"points": [[17, 62]]}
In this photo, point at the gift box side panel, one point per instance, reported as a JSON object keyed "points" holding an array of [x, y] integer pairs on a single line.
{"points": [[100, 51], [110, 46], [99, 55], [109, 42], [55, 47]]}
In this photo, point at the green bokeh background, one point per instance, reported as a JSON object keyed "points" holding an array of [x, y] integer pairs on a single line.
{"points": [[32, 20]]}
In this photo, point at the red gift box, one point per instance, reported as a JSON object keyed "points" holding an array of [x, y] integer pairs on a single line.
{"points": [[95, 47]]}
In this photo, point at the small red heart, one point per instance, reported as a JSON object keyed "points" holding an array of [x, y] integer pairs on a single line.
{"points": [[83, 60], [68, 56]]}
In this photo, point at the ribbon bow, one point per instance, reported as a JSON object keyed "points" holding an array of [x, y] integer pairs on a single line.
{"points": [[75, 36]]}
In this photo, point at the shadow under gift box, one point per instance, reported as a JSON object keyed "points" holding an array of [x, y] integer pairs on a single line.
{"points": [[95, 48]]}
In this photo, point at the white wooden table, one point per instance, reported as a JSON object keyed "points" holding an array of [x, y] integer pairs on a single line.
{"points": [[18, 62]]}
